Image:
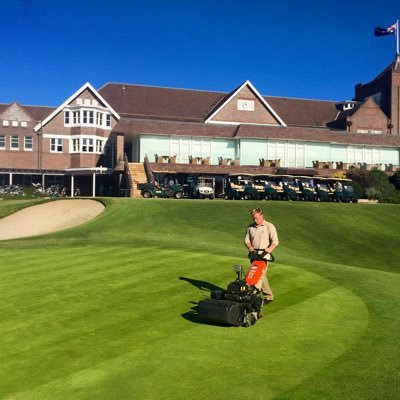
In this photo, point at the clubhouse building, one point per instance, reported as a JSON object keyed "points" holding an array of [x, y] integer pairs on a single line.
{"points": [[105, 141]]}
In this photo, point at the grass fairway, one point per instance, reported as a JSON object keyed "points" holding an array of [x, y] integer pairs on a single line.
{"points": [[105, 310]]}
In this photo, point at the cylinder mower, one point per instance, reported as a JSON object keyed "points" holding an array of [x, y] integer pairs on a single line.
{"points": [[241, 303]]}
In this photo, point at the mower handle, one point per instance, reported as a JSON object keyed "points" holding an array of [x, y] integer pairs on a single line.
{"points": [[262, 255]]}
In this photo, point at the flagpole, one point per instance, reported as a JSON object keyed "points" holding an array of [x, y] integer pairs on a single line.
{"points": [[397, 38]]}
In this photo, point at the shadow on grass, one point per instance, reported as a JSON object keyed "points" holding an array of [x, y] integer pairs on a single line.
{"points": [[193, 314], [202, 285]]}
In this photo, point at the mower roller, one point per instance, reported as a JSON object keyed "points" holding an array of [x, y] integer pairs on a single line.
{"points": [[240, 304]]}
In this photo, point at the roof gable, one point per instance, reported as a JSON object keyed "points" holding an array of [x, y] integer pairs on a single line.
{"points": [[86, 87], [15, 113], [369, 107], [244, 105]]}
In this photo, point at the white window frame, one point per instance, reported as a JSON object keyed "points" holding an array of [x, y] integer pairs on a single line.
{"points": [[28, 143], [56, 145], [76, 145], [87, 144], [14, 138], [2, 142]]}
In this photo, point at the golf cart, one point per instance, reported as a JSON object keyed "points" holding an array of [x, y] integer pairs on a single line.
{"points": [[268, 187], [169, 187], [201, 187], [307, 188], [324, 193], [343, 191], [240, 186], [291, 189]]}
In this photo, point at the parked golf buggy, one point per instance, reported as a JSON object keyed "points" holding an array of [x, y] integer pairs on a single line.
{"points": [[240, 186], [166, 185], [241, 303], [200, 187], [336, 190]]}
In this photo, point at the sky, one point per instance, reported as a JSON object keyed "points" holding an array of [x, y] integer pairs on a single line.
{"points": [[287, 48]]}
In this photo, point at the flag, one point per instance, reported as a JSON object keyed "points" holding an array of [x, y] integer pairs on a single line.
{"points": [[386, 31]]}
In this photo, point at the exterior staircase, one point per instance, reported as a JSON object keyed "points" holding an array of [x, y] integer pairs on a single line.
{"points": [[137, 174]]}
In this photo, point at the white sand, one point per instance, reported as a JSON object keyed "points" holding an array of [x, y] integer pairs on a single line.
{"points": [[48, 217]]}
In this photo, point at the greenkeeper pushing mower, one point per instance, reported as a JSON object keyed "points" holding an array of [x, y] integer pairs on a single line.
{"points": [[241, 304], [261, 237]]}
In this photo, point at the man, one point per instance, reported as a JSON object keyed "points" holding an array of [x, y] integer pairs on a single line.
{"points": [[261, 236]]}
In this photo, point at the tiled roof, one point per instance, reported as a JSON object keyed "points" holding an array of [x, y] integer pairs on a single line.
{"points": [[301, 112], [159, 103], [194, 105], [38, 113]]}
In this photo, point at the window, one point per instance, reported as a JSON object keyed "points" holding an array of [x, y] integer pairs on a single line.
{"points": [[108, 120], [24, 124], [56, 145], [6, 123], [28, 143], [99, 118], [91, 117], [2, 142], [14, 142], [99, 146], [75, 145], [66, 117], [87, 145], [85, 117], [14, 123], [76, 117]]}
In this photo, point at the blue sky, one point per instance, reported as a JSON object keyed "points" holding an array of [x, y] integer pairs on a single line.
{"points": [[305, 49]]}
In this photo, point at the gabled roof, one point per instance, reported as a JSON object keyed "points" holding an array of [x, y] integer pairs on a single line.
{"points": [[150, 102], [17, 109], [186, 105], [86, 86], [233, 94]]}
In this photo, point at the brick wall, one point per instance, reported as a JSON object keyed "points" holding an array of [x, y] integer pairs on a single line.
{"points": [[230, 112]]}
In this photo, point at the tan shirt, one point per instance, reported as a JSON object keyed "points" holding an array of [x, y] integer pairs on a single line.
{"points": [[262, 236]]}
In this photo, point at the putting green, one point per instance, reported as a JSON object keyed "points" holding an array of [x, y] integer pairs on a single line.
{"points": [[106, 310]]}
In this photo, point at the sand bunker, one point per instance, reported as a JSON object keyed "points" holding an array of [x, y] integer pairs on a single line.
{"points": [[48, 217]]}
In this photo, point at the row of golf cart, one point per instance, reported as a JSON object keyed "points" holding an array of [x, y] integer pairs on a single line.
{"points": [[196, 187], [288, 187]]}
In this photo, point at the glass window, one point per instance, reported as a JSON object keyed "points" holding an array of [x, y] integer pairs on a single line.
{"points": [[99, 146], [99, 118], [75, 145], [2, 141], [87, 145], [108, 120], [77, 117], [85, 117], [66, 118], [28, 143], [56, 145], [91, 117], [14, 142]]}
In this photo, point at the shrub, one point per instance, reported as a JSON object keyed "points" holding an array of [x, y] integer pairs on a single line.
{"points": [[380, 181], [395, 180], [373, 194]]}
